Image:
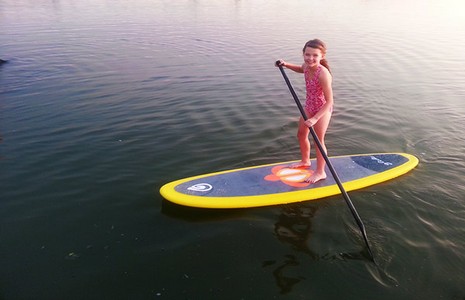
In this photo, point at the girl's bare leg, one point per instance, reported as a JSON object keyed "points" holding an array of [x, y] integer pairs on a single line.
{"points": [[304, 143], [320, 129]]}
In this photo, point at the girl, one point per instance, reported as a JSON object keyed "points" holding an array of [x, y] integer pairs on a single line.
{"points": [[319, 104]]}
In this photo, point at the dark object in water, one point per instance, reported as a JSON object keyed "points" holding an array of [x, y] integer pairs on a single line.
{"points": [[3, 61]]}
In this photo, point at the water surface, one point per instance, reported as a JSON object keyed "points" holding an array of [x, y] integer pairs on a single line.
{"points": [[102, 102]]}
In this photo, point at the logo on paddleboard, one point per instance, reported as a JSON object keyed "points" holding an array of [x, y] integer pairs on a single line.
{"points": [[380, 161], [200, 187]]}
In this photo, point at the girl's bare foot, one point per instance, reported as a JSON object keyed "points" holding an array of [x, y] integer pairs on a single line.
{"points": [[316, 177], [301, 165]]}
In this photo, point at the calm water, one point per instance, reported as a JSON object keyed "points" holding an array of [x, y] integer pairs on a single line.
{"points": [[102, 102]]}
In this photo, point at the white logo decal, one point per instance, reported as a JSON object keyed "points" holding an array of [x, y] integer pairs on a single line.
{"points": [[200, 187], [380, 161]]}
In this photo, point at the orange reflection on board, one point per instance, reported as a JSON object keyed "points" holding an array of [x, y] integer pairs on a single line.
{"points": [[291, 176]]}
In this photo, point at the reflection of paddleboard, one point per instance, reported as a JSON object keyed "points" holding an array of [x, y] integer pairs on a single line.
{"points": [[278, 184]]}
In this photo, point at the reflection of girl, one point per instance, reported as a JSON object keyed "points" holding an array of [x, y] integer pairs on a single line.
{"points": [[294, 227], [319, 104]]}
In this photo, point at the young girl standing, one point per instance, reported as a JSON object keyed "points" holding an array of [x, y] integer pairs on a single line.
{"points": [[319, 104]]}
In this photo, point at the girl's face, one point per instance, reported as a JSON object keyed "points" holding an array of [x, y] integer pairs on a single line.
{"points": [[312, 56]]}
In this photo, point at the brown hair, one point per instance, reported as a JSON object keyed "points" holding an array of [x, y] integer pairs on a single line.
{"points": [[318, 44]]}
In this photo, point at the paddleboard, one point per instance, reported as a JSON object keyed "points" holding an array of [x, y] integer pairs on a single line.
{"points": [[277, 183]]}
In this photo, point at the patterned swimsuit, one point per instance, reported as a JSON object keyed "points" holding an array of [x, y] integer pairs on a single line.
{"points": [[315, 97]]}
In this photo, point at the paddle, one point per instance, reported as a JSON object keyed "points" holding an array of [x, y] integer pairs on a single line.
{"points": [[328, 162]]}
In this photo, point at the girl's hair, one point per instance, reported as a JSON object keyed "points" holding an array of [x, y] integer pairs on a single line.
{"points": [[318, 44]]}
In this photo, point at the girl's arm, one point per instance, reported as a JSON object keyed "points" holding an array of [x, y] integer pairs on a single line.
{"points": [[295, 68]]}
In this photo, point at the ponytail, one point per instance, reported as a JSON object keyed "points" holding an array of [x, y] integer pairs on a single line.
{"points": [[325, 64]]}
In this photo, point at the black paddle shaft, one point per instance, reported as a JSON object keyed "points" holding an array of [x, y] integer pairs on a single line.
{"points": [[328, 162]]}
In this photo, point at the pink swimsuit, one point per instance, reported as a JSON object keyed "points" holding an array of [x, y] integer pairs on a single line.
{"points": [[315, 97]]}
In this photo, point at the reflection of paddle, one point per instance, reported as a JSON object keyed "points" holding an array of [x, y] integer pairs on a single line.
{"points": [[328, 162]]}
